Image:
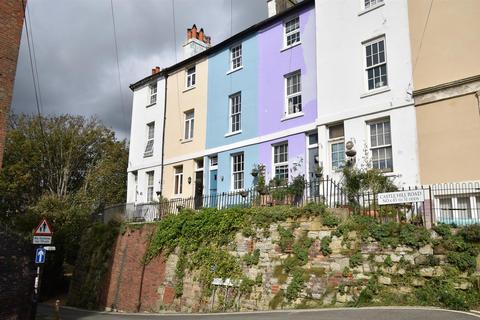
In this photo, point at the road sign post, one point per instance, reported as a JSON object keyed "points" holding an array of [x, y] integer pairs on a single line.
{"points": [[42, 235]]}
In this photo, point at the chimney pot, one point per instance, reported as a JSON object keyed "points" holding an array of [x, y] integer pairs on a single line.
{"points": [[153, 71], [201, 35]]}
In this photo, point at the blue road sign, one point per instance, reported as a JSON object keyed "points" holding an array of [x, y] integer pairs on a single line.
{"points": [[40, 255]]}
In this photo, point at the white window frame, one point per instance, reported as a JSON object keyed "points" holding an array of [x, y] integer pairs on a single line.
{"points": [[213, 163], [371, 4], [153, 93], [289, 112], [189, 125], [277, 163], [455, 215], [236, 57], [235, 116], [191, 78], [293, 32], [150, 184], [383, 83], [150, 139], [385, 146], [336, 141], [178, 180], [240, 183]]}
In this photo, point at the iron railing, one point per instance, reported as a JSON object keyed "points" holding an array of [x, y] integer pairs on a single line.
{"points": [[325, 191], [454, 203]]}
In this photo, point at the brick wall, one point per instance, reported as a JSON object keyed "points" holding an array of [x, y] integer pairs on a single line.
{"points": [[125, 278], [11, 17], [16, 277]]}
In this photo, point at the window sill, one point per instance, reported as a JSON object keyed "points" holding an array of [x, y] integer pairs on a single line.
{"points": [[234, 70], [148, 155], [371, 8], [292, 116], [291, 46], [186, 140], [151, 104], [189, 88], [232, 133], [375, 91]]}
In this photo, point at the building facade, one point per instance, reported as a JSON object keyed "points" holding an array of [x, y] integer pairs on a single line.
{"points": [[364, 87], [11, 16], [446, 78], [292, 92]]}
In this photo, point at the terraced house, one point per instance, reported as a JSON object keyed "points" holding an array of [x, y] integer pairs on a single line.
{"points": [[316, 81]]}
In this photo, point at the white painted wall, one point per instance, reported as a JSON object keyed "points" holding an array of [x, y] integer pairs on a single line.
{"points": [[342, 27], [142, 114]]}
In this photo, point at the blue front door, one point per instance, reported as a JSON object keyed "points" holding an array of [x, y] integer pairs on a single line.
{"points": [[213, 188]]}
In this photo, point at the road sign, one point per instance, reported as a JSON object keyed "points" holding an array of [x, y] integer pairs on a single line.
{"points": [[50, 248], [42, 240], [40, 255], [43, 229], [401, 197]]}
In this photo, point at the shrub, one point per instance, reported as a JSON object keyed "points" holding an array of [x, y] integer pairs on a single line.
{"points": [[295, 285], [286, 238], [325, 246], [356, 260], [388, 262], [443, 230], [301, 247], [464, 261], [329, 219], [471, 233], [252, 259], [277, 300]]}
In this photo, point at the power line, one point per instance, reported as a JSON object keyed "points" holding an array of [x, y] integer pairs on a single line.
{"points": [[32, 68], [423, 34], [122, 103]]}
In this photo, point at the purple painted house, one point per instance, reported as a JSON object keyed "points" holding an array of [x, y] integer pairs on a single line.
{"points": [[287, 106]]}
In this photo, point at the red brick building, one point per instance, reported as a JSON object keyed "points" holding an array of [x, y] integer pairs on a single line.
{"points": [[11, 17]]}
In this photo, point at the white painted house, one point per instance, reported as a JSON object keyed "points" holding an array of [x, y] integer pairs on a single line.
{"points": [[364, 81], [145, 154]]}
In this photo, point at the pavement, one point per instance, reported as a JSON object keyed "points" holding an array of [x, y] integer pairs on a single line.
{"points": [[45, 312]]}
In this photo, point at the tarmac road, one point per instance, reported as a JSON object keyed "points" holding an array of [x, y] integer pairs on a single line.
{"points": [[391, 313]]}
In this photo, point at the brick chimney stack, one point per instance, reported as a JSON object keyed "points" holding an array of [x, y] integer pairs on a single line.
{"points": [[278, 6], [155, 70], [197, 41]]}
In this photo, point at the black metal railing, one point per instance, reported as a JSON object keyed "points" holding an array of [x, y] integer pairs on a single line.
{"points": [[457, 203], [326, 191]]}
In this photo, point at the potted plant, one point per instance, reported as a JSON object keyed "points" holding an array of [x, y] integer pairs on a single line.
{"points": [[319, 171], [297, 188], [258, 169]]}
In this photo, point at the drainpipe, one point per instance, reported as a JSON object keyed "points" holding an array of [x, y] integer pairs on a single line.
{"points": [[163, 135], [477, 95]]}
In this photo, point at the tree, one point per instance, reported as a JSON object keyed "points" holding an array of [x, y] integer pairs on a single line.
{"points": [[62, 168], [60, 156]]}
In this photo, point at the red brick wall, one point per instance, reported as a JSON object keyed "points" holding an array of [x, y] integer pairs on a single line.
{"points": [[11, 17], [126, 281]]}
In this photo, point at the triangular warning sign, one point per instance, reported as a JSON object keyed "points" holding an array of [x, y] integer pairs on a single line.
{"points": [[43, 229]]}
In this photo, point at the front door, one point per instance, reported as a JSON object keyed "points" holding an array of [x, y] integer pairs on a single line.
{"points": [[198, 189], [213, 189]]}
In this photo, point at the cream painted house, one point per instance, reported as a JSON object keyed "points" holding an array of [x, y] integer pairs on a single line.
{"points": [[446, 76], [185, 128]]}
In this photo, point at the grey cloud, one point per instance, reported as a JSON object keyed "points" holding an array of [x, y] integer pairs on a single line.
{"points": [[76, 54]]}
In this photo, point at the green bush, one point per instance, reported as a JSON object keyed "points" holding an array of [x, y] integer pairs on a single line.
{"points": [[443, 230], [252, 259], [295, 286], [286, 238], [356, 260], [388, 262], [301, 247], [471, 233], [464, 261], [325, 246]]}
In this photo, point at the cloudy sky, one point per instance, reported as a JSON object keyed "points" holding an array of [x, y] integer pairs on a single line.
{"points": [[75, 49]]}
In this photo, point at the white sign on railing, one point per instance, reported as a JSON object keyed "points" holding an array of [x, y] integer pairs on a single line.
{"points": [[401, 197]]}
